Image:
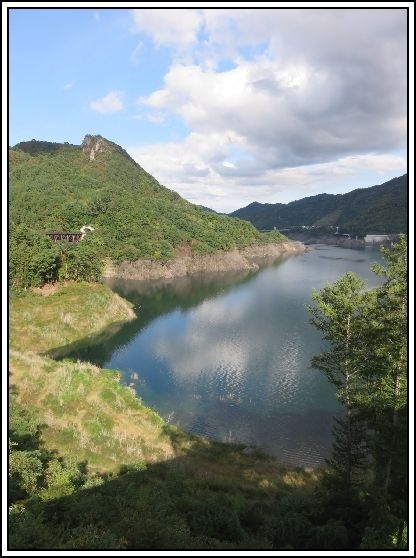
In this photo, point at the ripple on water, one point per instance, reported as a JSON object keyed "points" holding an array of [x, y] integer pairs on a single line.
{"points": [[232, 361]]}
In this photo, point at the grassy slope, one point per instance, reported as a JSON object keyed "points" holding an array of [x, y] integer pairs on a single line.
{"points": [[176, 492], [181, 491], [58, 315], [88, 413]]}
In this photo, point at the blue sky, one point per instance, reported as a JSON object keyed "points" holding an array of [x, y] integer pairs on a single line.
{"points": [[226, 106]]}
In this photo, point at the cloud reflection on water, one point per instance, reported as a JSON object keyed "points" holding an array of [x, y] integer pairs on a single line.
{"points": [[235, 365]]}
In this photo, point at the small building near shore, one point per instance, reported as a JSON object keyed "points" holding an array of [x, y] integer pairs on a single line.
{"points": [[377, 238]]}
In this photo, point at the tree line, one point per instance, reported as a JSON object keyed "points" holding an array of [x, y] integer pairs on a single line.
{"points": [[366, 360]]}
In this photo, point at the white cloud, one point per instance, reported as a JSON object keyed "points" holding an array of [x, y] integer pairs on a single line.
{"points": [[308, 97], [69, 85], [200, 170], [213, 336], [156, 117], [382, 163], [175, 26], [107, 105], [285, 114]]}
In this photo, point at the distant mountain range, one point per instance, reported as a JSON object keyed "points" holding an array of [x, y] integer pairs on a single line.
{"points": [[375, 210]]}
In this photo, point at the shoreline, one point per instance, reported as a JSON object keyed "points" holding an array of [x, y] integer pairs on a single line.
{"points": [[249, 258]]}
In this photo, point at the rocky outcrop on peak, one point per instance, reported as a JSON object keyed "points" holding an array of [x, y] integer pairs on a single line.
{"points": [[93, 145]]}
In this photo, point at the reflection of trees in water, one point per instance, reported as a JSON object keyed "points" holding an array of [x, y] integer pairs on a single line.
{"points": [[151, 299]]}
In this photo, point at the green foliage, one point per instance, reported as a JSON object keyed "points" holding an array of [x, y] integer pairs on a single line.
{"points": [[81, 261], [389, 320], [387, 401], [28, 529], [25, 469], [331, 536], [367, 361], [380, 209], [56, 187], [90, 536], [211, 514], [33, 258], [290, 529], [61, 505], [338, 313], [61, 478], [23, 426], [349, 453], [384, 529]]}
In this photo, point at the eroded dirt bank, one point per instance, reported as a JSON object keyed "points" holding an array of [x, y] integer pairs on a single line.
{"points": [[234, 260]]}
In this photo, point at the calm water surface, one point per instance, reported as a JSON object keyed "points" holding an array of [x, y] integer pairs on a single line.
{"points": [[228, 357]]}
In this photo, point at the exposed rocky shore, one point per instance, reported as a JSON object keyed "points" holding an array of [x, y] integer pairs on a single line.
{"points": [[250, 258], [329, 239]]}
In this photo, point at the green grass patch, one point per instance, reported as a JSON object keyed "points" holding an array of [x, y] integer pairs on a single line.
{"points": [[108, 396], [40, 323]]}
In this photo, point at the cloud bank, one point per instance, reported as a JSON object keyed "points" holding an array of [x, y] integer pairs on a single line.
{"points": [[274, 99]]}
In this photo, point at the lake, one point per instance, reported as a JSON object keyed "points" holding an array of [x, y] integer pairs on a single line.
{"points": [[228, 356]]}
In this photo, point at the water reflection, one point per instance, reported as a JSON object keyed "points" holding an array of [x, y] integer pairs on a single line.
{"points": [[152, 299], [228, 356]]}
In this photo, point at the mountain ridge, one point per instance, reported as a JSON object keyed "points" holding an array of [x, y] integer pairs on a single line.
{"points": [[378, 209], [64, 187]]}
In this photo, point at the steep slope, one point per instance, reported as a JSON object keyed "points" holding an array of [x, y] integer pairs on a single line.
{"points": [[62, 187], [379, 209]]}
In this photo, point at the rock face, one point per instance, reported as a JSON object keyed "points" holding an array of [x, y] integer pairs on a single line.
{"points": [[250, 258], [93, 145]]}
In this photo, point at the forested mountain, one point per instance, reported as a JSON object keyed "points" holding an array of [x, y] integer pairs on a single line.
{"points": [[62, 187], [379, 209]]}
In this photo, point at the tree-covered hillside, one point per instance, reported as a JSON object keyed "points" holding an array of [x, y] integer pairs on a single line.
{"points": [[376, 210], [62, 187]]}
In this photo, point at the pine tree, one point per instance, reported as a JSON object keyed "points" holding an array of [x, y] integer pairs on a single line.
{"points": [[367, 361], [391, 352], [387, 402]]}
